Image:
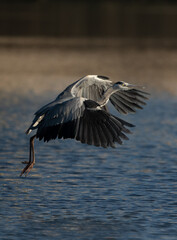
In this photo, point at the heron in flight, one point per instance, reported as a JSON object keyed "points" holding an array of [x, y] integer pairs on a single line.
{"points": [[80, 113]]}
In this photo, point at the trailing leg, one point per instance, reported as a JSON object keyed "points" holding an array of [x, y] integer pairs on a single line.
{"points": [[31, 161]]}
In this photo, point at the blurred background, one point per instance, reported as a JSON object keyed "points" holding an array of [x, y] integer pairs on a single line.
{"points": [[76, 191], [44, 41], [100, 18]]}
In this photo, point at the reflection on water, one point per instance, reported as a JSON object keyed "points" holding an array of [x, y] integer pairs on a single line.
{"points": [[77, 191]]}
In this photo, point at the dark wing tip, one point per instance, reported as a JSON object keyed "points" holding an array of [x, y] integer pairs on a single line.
{"points": [[141, 92], [103, 77]]}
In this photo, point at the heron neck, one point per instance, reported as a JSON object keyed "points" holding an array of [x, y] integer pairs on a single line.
{"points": [[106, 95]]}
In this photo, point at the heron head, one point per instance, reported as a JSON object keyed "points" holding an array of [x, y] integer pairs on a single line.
{"points": [[123, 85]]}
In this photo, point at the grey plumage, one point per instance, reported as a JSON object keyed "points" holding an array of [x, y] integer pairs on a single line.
{"points": [[80, 112]]}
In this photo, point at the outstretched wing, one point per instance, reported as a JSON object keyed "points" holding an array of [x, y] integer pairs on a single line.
{"points": [[128, 101], [93, 87], [84, 121], [57, 112]]}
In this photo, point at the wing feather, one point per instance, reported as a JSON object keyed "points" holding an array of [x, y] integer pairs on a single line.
{"points": [[102, 136], [97, 141], [128, 101], [92, 125]]}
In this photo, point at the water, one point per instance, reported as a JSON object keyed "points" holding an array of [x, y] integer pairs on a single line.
{"points": [[77, 191]]}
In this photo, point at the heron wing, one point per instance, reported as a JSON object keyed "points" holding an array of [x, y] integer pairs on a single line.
{"points": [[57, 112], [91, 87], [62, 112], [128, 101], [88, 124]]}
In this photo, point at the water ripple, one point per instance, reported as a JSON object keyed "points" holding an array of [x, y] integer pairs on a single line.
{"points": [[81, 192]]}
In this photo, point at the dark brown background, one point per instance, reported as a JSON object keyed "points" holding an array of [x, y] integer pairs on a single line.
{"points": [[47, 44], [99, 18]]}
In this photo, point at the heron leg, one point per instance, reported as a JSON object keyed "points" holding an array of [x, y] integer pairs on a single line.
{"points": [[30, 149], [31, 161]]}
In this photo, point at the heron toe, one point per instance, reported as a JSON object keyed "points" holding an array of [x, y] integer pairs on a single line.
{"points": [[27, 169]]}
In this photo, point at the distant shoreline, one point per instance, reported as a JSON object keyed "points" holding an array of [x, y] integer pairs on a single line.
{"points": [[86, 42], [41, 65]]}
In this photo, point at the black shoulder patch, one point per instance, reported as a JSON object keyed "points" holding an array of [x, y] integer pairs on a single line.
{"points": [[103, 77], [90, 104]]}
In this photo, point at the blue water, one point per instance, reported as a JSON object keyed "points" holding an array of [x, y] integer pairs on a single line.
{"points": [[77, 191]]}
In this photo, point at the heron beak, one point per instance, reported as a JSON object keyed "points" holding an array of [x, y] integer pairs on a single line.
{"points": [[134, 86]]}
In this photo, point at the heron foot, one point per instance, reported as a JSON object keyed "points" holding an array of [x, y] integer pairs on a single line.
{"points": [[27, 169]]}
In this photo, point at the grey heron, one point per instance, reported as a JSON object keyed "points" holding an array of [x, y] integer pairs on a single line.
{"points": [[80, 113]]}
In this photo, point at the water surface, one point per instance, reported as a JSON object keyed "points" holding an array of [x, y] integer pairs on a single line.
{"points": [[82, 192]]}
